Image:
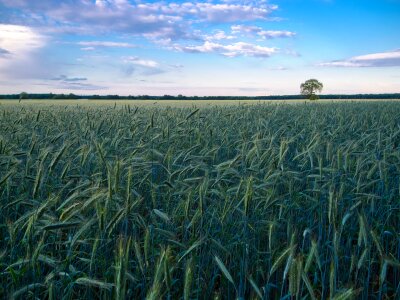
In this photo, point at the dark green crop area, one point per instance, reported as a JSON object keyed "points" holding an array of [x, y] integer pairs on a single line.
{"points": [[296, 201]]}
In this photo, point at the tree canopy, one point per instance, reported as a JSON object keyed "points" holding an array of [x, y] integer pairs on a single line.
{"points": [[310, 88]]}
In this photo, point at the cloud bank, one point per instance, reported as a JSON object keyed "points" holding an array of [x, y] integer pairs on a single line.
{"points": [[231, 50], [20, 48], [161, 20], [381, 59]]}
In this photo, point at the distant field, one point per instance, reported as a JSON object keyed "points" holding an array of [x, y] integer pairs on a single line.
{"points": [[173, 201], [177, 103]]}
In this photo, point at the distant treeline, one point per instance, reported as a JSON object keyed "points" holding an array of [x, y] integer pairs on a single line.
{"points": [[51, 96]]}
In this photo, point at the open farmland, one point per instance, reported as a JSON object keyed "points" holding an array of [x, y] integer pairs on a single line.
{"points": [[171, 103], [262, 201]]}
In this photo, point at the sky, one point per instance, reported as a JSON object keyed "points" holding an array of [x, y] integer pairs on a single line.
{"points": [[226, 47]]}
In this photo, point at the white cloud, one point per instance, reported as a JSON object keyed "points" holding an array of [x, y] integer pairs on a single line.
{"points": [[106, 44], [265, 34], [244, 29], [19, 40], [156, 20], [232, 50], [345, 64], [141, 62], [4, 52], [219, 35], [222, 13], [88, 49], [268, 34], [382, 59], [20, 56], [146, 67], [65, 78], [100, 17]]}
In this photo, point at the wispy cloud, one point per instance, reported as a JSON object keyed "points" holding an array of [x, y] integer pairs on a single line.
{"points": [[231, 50], [92, 44], [222, 13], [76, 86], [258, 31], [381, 59], [279, 68], [64, 82], [146, 67], [68, 79], [141, 62], [88, 48], [219, 35], [176, 66]]}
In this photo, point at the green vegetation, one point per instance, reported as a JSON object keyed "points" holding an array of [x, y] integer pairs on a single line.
{"points": [[310, 88], [51, 96], [262, 201]]}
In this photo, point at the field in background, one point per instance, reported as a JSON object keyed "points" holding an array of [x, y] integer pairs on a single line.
{"points": [[149, 201], [177, 103]]}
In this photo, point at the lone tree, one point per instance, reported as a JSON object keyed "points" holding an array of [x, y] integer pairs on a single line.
{"points": [[310, 88], [23, 95]]}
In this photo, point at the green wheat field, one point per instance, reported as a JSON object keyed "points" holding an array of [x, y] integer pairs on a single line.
{"points": [[262, 201]]}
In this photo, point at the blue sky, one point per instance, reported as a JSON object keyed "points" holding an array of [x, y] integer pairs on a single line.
{"points": [[227, 47]]}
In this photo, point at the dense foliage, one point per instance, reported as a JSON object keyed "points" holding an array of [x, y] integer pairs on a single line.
{"points": [[310, 88], [263, 201]]}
